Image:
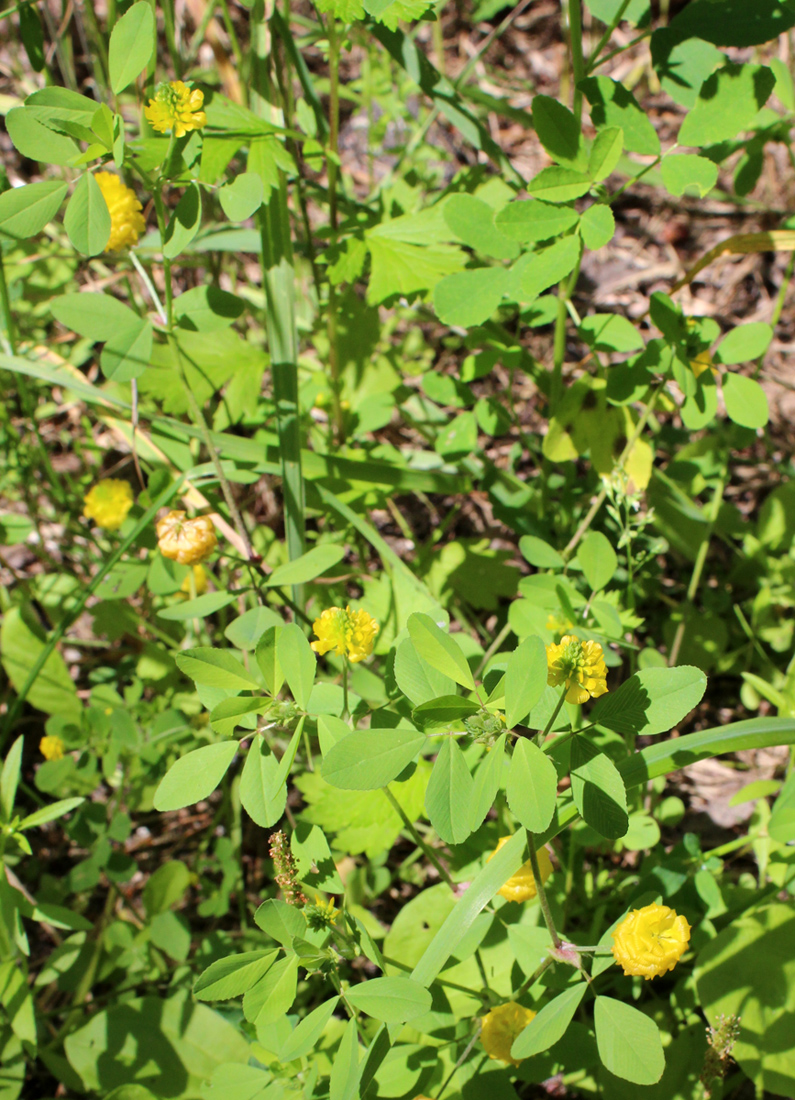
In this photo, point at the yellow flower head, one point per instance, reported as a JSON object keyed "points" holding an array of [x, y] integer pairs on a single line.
{"points": [[186, 541], [108, 503], [199, 581], [126, 220], [522, 885], [501, 1027], [176, 107], [346, 633], [322, 914], [580, 665], [51, 748], [650, 941]]}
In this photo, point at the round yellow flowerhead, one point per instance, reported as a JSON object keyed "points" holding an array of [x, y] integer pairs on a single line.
{"points": [[186, 541], [108, 503], [199, 581], [126, 220], [501, 1026], [176, 107], [580, 665], [522, 885], [51, 748], [347, 633], [650, 941]]}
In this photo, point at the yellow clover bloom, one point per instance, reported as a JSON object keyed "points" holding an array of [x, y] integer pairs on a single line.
{"points": [[126, 220], [322, 914], [176, 107], [186, 541], [108, 503], [347, 633], [199, 581], [522, 885], [650, 941], [51, 747], [501, 1026], [580, 665]]}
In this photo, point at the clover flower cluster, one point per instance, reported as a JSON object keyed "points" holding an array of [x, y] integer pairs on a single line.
{"points": [[126, 216], [501, 1027], [108, 503], [650, 941], [51, 747], [578, 665], [186, 541], [177, 108], [347, 633]]}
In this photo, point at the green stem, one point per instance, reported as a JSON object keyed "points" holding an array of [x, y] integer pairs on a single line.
{"points": [[548, 728], [698, 568], [345, 671], [333, 147], [565, 290], [5, 303], [608, 34], [543, 901], [278, 280], [463, 1057], [528, 983], [415, 836], [577, 62], [171, 38]]}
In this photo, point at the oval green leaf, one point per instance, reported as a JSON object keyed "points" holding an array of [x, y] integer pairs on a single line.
{"points": [[132, 44], [366, 760], [194, 776], [628, 1041], [391, 1000], [532, 786], [550, 1024]]}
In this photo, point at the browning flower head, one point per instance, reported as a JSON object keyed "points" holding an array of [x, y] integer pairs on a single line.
{"points": [[501, 1026], [286, 870], [650, 941], [347, 633], [108, 503], [126, 220], [522, 885], [176, 107], [199, 581], [51, 747], [322, 914], [580, 665], [186, 541]]}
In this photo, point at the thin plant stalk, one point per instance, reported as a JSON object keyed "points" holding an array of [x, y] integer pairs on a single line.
{"points": [[430, 855], [543, 901], [278, 280], [698, 568], [577, 62], [333, 153]]}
